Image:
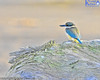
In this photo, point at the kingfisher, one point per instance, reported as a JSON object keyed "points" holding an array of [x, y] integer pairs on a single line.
{"points": [[72, 31]]}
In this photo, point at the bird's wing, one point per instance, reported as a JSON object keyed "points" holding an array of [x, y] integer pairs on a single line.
{"points": [[73, 32], [76, 32]]}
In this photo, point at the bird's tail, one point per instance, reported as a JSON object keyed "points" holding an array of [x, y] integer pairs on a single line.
{"points": [[79, 41]]}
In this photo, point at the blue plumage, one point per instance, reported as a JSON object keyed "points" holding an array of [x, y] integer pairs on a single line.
{"points": [[79, 41], [72, 34]]}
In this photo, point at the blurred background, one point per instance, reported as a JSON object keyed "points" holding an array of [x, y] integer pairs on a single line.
{"points": [[34, 22]]}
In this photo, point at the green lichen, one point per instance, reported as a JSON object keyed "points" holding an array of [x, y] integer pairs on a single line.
{"points": [[54, 64], [60, 52], [49, 45], [75, 51], [21, 57], [80, 46], [39, 59], [93, 49], [12, 67]]}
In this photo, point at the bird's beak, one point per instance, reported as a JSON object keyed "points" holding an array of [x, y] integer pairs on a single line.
{"points": [[62, 25]]}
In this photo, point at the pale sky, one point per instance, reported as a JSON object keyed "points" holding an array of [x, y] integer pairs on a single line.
{"points": [[2, 2]]}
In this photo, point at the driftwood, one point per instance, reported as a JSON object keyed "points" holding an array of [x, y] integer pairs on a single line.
{"points": [[52, 61]]}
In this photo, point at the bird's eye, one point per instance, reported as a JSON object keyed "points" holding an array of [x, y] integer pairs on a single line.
{"points": [[66, 25]]}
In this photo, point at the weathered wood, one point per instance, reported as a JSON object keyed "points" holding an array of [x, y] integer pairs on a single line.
{"points": [[52, 61]]}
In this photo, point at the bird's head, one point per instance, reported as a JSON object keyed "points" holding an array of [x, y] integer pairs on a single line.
{"points": [[68, 25]]}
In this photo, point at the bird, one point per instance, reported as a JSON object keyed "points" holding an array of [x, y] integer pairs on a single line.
{"points": [[72, 31]]}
